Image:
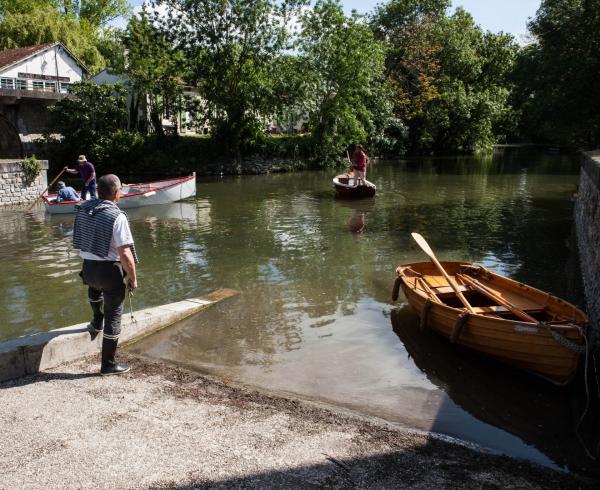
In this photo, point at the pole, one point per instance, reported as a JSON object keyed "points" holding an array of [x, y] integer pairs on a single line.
{"points": [[43, 192]]}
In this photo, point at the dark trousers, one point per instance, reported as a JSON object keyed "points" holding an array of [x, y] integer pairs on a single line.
{"points": [[91, 188], [106, 289]]}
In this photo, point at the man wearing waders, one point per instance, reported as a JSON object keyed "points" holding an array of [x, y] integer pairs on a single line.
{"points": [[103, 237]]}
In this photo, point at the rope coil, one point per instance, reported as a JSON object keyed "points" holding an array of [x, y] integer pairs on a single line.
{"points": [[564, 341]]}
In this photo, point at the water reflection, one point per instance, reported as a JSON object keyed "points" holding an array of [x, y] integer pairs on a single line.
{"points": [[537, 412]]}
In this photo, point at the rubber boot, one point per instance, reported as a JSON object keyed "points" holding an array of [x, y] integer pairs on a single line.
{"points": [[109, 365], [95, 326]]}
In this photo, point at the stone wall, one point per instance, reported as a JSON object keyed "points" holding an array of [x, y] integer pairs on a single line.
{"points": [[587, 221], [14, 189]]}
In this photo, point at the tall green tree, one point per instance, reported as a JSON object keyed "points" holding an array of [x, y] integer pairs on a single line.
{"points": [[154, 68], [450, 80], [88, 120], [473, 110], [557, 74], [346, 92], [232, 46], [98, 13]]}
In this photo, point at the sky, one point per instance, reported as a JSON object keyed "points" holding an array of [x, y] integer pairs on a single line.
{"points": [[492, 15]]}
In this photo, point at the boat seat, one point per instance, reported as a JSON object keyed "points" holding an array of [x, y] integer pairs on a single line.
{"points": [[490, 309], [448, 289]]}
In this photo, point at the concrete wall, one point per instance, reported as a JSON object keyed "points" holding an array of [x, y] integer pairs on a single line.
{"points": [[14, 189], [30, 119], [587, 221]]}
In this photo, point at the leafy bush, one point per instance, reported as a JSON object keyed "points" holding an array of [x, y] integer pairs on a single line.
{"points": [[31, 168]]}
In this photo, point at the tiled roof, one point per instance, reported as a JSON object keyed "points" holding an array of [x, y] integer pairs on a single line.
{"points": [[11, 56]]}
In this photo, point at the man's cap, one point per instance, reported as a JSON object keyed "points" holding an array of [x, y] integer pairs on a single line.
{"points": [[82, 158], [60, 184]]}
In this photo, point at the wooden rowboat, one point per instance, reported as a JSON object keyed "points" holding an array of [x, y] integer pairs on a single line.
{"points": [[137, 195], [346, 188], [549, 345]]}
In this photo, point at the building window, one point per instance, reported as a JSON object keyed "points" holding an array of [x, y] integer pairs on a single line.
{"points": [[21, 84], [38, 85], [64, 88], [49, 87], [8, 83]]}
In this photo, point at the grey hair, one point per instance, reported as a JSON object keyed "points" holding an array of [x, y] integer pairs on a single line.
{"points": [[108, 185]]}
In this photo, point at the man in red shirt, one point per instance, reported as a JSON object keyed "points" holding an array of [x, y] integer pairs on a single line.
{"points": [[359, 165]]}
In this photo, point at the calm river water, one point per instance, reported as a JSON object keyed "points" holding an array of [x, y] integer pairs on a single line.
{"points": [[315, 316]]}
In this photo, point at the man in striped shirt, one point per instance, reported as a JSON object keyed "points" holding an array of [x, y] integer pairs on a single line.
{"points": [[103, 237]]}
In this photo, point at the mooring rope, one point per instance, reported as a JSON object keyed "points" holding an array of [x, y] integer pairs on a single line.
{"points": [[564, 341], [587, 406]]}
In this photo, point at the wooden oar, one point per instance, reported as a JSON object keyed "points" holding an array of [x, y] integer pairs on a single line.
{"points": [[44, 191], [475, 284], [427, 249]]}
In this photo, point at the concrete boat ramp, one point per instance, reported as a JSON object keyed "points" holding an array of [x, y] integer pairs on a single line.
{"points": [[160, 426], [34, 353]]}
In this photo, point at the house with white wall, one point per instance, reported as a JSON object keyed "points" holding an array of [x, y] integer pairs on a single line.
{"points": [[31, 79], [182, 122]]}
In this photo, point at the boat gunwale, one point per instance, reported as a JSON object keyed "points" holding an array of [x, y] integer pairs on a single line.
{"points": [[178, 180], [517, 286], [337, 183]]}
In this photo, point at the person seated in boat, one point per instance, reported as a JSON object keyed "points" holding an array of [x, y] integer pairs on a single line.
{"points": [[359, 165], [65, 193]]}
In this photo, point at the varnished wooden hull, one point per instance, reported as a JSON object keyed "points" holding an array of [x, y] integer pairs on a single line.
{"points": [[525, 345]]}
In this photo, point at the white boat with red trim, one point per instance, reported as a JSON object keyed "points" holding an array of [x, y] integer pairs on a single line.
{"points": [[136, 195]]}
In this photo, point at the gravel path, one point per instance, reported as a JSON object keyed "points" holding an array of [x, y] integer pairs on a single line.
{"points": [[163, 427]]}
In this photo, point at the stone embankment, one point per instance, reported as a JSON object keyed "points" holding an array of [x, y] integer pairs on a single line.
{"points": [[15, 188], [587, 221]]}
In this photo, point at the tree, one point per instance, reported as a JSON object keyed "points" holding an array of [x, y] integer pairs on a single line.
{"points": [[472, 110], [154, 68], [97, 13], [557, 75], [450, 80], [345, 83], [232, 46], [88, 120]]}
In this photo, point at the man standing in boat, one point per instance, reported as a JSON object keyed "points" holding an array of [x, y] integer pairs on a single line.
{"points": [[103, 237], [87, 172], [359, 165]]}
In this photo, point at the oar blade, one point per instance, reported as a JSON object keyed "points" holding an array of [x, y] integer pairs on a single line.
{"points": [[422, 243]]}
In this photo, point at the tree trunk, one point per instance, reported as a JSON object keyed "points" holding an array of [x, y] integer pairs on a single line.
{"points": [[155, 118]]}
